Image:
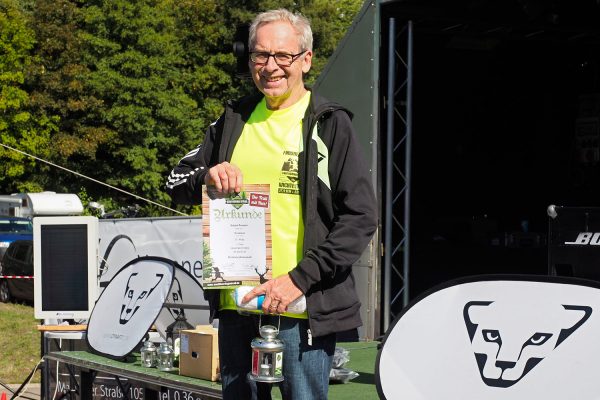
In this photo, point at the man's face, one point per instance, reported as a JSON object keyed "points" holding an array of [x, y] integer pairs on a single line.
{"points": [[282, 86]]}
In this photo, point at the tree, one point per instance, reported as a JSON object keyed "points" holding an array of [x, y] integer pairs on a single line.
{"points": [[135, 61], [205, 29], [119, 90], [329, 20], [57, 86], [19, 127]]}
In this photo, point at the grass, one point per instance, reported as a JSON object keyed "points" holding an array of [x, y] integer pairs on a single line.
{"points": [[19, 343]]}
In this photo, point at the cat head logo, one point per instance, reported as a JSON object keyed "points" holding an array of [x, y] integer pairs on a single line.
{"points": [[510, 340], [136, 293]]}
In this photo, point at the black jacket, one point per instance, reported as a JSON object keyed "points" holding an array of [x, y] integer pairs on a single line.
{"points": [[339, 215]]}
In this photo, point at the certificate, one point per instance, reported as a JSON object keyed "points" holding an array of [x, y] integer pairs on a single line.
{"points": [[236, 229]]}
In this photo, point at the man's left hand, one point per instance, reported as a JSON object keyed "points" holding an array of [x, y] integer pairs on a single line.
{"points": [[279, 293]]}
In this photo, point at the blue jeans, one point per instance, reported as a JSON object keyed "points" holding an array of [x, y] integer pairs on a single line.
{"points": [[305, 367]]}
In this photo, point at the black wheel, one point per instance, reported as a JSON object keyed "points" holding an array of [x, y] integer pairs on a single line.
{"points": [[4, 292]]}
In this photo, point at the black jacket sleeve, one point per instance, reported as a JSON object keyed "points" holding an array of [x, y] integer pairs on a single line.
{"points": [[347, 214], [185, 181]]}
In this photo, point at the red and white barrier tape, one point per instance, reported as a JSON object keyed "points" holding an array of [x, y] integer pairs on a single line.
{"points": [[15, 277]]}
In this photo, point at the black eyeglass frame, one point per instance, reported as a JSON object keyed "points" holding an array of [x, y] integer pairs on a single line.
{"points": [[269, 55]]}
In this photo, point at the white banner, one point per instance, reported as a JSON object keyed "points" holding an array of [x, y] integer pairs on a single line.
{"points": [[517, 338], [176, 239]]}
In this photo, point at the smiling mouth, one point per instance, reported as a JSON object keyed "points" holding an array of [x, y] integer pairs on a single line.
{"points": [[273, 79]]}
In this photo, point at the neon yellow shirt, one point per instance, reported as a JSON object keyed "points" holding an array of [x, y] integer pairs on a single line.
{"points": [[267, 152]]}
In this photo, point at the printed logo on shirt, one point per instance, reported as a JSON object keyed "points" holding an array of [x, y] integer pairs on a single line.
{"points": [[288, 178]]}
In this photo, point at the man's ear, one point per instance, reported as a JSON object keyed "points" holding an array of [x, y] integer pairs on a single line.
{"points": [[307, 61]]}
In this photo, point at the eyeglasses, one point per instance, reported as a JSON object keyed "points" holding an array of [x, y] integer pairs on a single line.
{"points": [[281, 59]]}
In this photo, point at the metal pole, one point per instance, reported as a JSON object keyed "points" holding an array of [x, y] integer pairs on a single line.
{"points": [[388, 174], [408, 161]]}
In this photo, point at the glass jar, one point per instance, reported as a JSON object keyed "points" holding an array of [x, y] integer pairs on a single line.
{"points": [[148, 354], [165, 357]]}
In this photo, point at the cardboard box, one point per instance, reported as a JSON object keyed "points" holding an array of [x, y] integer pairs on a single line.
{"points": [[199, 353]]}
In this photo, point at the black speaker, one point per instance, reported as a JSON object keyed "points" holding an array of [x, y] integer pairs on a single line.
{"points": [[574, 242], [65, 266]]}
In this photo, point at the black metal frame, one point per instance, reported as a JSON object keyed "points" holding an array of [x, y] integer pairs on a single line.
{"points": [[398, 170]]}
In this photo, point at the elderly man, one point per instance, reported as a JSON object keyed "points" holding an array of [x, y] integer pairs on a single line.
{"points": [[322, 209]]}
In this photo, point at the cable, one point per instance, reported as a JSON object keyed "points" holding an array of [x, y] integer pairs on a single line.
{"points": [[92, 179], [6, 386], [25, 385]]}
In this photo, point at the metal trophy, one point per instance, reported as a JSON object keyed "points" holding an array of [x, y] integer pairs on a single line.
{"points": [[267, 356]]}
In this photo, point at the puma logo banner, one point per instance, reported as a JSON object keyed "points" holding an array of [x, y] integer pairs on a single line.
{"points": [[506, 353], [123, 241], [129, 305], [501, 337]]}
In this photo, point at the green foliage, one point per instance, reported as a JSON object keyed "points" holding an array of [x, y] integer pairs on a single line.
{"points": [[136, 59], [58, 89], [20, 127], [86, 199], [330, 21], [119, 90], [206, 29]]}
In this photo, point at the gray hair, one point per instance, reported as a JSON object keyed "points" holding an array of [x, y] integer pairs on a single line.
{"points": [[300, 24]]}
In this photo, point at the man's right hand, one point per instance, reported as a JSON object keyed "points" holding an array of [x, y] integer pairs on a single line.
{"points": [[227, 178]]}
